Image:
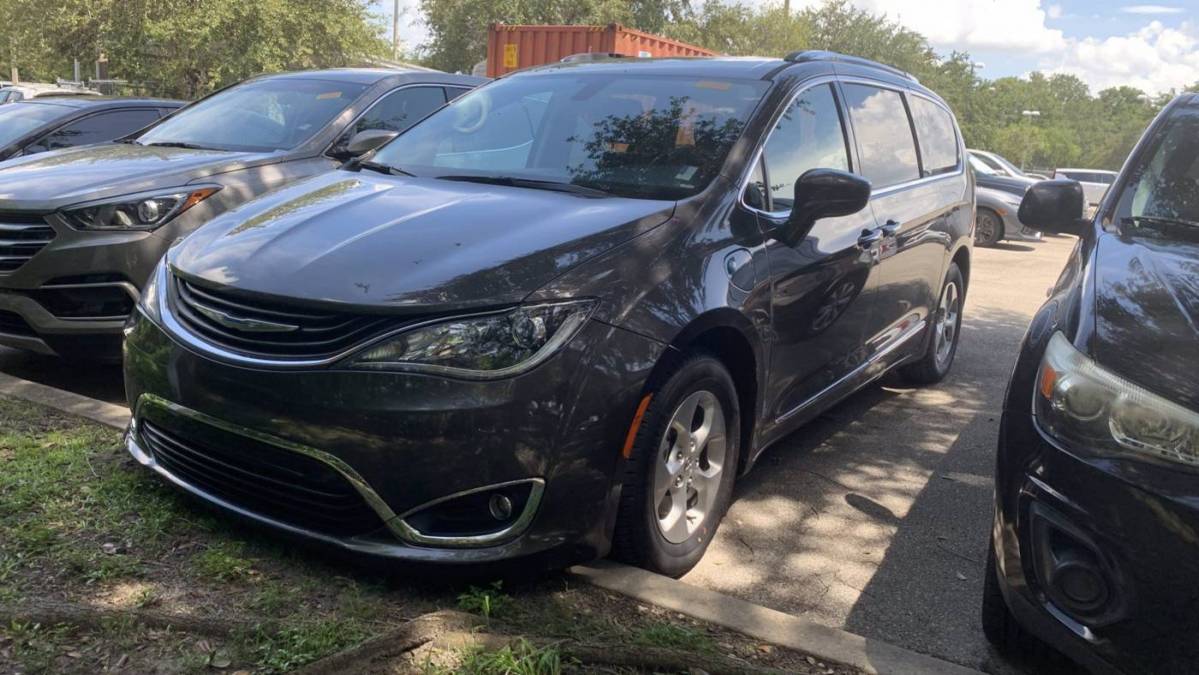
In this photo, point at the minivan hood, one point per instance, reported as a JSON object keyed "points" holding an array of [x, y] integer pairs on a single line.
{"points": [[369, 240], [1147, 314], [50, 180]]}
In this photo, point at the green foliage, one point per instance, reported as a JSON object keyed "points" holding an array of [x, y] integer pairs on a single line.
{"points": [[674, 636], [521, 658], [296, 645], [485, 602], [223, 561], [184, 48]]}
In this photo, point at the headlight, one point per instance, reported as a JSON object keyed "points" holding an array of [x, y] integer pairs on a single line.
{"points": [[136, 212], [1096, 412], [485, 346]]}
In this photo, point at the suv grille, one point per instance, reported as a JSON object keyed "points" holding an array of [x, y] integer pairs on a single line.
{"points": [[22, 235], [284, 485], [266, 329]]}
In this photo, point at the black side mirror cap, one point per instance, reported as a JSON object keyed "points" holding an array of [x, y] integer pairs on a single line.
{"points": [[367, 140], [824, 193], [1054, 206]]}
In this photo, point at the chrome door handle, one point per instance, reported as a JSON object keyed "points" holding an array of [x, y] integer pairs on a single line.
{"points": [[870, 237], [889, 228]]}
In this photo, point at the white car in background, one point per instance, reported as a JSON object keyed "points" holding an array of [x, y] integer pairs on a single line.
{"points": [[11, 93], [1095, 183]]}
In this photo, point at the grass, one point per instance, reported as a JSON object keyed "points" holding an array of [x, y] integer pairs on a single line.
{"points": [[674, 636], [224, 561], [486, 602], [522, 658], [303, 643]]}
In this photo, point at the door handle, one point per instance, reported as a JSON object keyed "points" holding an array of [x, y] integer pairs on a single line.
{"points": [[870, 237], [889, 228]]}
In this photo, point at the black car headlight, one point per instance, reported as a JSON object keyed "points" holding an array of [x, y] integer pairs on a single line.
{"points": [[1096, 412], [146, 211], [482, 346]]}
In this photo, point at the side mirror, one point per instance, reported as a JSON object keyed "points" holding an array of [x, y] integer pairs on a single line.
{"points": [[1054, 206], [824, 193], [365, 141]]}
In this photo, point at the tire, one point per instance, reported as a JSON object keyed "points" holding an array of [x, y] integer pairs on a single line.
{"points": [[1000, 626], [946, 330], [661, 530], [988, 228]]}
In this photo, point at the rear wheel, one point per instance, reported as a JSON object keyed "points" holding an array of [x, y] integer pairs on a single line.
{"points": [[988, 228], [679, 477], [946, 329]]}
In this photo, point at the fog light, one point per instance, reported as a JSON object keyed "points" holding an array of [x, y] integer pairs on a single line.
{"points": [[1081, 585], [500, 507]]}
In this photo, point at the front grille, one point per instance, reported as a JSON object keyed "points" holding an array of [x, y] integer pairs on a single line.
{"points": [[22, 235], [12, 324], [268, 329], [286, 486]]}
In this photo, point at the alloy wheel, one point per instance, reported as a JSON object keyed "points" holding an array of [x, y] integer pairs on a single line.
{"points": [[690, 461], [947, 323]]}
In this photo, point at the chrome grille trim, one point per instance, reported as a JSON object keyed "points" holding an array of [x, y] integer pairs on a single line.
{"points": [[22, 236]]}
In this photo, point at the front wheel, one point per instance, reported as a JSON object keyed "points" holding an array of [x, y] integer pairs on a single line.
{"points": [[679, 477], [988, 228], [946, 328]]}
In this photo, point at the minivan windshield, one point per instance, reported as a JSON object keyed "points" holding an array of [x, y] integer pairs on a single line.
{"points": [[257, 116], [653, 137], [1163, 190], [19, 119]]}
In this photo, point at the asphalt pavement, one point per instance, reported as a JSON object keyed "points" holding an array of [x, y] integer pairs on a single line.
{"points": [[875, 517]]}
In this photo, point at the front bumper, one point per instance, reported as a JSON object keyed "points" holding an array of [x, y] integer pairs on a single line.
{"points": [[1014, 230], [406, 440], [1136, 524]]}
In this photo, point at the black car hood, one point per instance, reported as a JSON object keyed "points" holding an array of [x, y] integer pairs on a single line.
{"points": [[1010, 184], [369, 240], [53, 179], [1147, 314]]}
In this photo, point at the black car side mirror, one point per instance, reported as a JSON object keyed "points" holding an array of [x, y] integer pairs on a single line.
{"points": [[1054, 206], [367, 140], [823, 193]]}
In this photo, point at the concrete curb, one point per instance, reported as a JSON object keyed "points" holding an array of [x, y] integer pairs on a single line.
{"points": [[108, 414], [768, 625]]}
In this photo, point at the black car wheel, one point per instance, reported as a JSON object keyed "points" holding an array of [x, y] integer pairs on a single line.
{"points": [[946, 331], [679, 477], [988, 228]]}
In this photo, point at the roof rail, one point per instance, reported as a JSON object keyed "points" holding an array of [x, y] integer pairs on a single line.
{"points": [[810, 55]]}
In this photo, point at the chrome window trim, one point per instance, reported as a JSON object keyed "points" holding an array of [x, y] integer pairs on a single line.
{"points": [[396, 525], [826, 79]]}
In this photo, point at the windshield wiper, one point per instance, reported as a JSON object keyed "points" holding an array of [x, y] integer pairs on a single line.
{"points": [[175, 144], [533, 183], [1159, 220], [380, 167]]}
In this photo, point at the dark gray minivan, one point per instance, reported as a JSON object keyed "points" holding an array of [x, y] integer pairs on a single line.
{"points": [[81, 228], [559, 316]]}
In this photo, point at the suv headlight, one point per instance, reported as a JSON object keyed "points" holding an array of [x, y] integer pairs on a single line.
{"points": [[147, 211], [484, 346], [1094, 411]]}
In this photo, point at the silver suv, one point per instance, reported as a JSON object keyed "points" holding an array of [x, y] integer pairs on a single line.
{"points": [[83, 227]]}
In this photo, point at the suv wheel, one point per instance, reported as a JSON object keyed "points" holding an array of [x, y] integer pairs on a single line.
{"points": [[678, 480], [946, 329], [988, 228]]}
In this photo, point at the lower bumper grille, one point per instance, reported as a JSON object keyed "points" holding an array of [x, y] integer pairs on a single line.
{"points": [[280, 484], [22, 235], [12, 324]]}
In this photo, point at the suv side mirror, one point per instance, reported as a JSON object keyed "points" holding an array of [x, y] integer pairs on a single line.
{"points": [[824, 193], [366, 140], [1054, 206]]}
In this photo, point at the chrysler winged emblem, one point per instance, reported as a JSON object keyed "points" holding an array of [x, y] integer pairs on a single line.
{"points": [[242, 323]]}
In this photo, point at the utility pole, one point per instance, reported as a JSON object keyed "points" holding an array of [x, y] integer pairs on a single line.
{"points": [[787, 8], [395, 31]]}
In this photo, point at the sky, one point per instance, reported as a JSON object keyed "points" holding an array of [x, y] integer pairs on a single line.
{"points": [[1153, 47]]}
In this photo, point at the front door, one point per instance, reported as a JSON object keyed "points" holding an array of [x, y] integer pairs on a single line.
{"points": [[822, 301]]}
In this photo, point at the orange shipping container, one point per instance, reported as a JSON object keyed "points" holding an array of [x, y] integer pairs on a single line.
{"points": [[511, 48]]}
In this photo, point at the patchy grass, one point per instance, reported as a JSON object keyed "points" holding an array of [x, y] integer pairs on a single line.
{"points": [[82, 523]]}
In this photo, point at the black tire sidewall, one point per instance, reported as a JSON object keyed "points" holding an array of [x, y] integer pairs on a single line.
{"points": [[696, 374], [996, 230]]}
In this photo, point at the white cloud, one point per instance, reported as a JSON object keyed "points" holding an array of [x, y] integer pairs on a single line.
{"points": [[1156, 58], [1054, 11], [1009, 25], [1151, 9]]}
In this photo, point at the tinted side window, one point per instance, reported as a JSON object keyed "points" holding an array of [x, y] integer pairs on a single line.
{"points": [[95, 129], [809, 135], [938, 140], [884, 134], [401, 109], [452, 93]]}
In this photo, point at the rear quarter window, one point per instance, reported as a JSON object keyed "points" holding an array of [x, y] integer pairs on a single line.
{"points": [[938, 139]]}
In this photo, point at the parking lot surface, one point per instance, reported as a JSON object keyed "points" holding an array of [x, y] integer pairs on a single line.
{"points": [[875, 517]]}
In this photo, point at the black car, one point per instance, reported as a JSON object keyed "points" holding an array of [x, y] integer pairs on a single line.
{"points": [[52, 123], [560, 315], [1095, 545]]}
